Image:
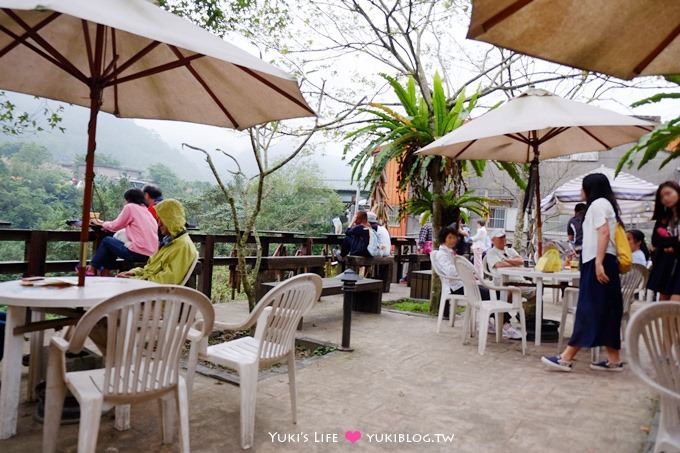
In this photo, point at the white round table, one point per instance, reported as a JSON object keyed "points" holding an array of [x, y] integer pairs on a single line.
{"points": [[18, 298], [537, 277]]}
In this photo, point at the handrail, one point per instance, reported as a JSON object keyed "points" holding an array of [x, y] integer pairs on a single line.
{"points": [[36, 246]]}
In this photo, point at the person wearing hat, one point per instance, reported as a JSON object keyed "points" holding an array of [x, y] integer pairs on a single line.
{"points": [[384, 240], [177, 252], [500, 255]]}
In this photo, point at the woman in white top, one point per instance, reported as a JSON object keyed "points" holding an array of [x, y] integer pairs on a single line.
{"points": [[479, 245], [600, 304]]}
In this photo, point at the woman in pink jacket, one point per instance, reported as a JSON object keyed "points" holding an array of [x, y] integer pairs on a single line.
{"points": [[137, 243]]}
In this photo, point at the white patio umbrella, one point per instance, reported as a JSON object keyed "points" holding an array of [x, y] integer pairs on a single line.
{"points": [[136, 60], [535, 126], [634, 195]]}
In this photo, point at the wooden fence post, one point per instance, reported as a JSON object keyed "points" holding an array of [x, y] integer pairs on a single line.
{"points": [[36, 254], [207, 255]]}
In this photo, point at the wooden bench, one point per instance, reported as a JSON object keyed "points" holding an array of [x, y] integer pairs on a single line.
{"points": [[382, 266], [420, 284]]}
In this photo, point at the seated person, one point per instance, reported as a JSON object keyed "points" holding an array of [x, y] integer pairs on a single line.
{"points": [[384, 241], [137, 243], [500, 255], [152, 196], [356, 237], [448, 237], [170, 264]]}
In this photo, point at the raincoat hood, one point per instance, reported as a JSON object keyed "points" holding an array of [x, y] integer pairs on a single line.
{"points": [[171, 213]]}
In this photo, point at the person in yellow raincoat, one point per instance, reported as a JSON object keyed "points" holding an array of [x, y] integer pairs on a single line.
{"points": [[170, 264]]}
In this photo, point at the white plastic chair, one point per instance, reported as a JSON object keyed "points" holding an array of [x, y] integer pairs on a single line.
{"points": [[488, 308], [146, 330], [630, 283], [657, 326], [277, 316], [190, 271], [454, 300]]}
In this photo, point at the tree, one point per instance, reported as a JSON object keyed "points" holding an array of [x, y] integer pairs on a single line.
{"points": [[664, 138], [13, 122]]}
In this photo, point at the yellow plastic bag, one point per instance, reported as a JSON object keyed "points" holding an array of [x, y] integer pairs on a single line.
{"points": [[623, 252], [550, 261]]}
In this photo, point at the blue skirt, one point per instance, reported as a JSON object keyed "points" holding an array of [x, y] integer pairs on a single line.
{"points": [[600, 307]]}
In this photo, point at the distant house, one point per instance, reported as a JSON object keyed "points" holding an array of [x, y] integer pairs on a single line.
{"points": [[134, 176]]}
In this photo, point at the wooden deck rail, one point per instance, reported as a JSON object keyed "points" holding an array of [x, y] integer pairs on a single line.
{"points": [[36, 244]]}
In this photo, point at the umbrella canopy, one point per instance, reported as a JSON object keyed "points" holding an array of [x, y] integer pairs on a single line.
{"points": [[623, 38], [151, 64], [634, 195], [560, 126], [534, 126], [134, 59]]}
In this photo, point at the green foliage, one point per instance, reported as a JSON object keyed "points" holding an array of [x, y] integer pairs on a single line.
{"points": [[249, 18], [15, 122], [660, 139], [467, 202], [393, 136]]}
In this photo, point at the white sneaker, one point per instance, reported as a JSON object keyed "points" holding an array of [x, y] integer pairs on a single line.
{"points": [[510, 332]]}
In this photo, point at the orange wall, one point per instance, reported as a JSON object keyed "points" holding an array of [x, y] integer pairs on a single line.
{"points": [[393, 196]]}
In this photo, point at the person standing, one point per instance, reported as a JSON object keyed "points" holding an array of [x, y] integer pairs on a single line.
{"points": [[425, 236], [479, 246], [600, 303], [575, 226], [665, 275]]}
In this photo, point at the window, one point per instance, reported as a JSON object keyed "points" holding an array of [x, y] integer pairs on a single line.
{"points": [[497, 218], [393, 217]]}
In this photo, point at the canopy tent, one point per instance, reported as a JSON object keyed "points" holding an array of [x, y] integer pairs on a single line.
{"points": [[634, 195], [136, 60]]}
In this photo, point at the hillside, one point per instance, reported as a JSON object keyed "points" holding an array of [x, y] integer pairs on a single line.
{"points": [[123, 140]]}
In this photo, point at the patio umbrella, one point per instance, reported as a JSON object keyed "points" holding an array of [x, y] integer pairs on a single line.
{"points": [[136, 60], [535, 126], [634, 195], [623, 38]]}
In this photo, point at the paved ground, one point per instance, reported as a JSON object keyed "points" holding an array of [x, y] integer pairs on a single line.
{"points": [[401, 379]]}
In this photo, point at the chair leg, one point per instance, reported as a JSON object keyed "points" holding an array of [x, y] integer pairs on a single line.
{"points": [[122, 417], [467, 323], [291, 384], [54, 405], [90, 416], [440, 317], [563, 321], [182, 401], [523, 322], [248, 375], [168, 409], [483, 320], [452, 311], [499, 326]]}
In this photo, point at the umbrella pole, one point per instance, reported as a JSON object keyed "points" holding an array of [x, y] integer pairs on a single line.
{"points": [[539, 220], [95, 103]]}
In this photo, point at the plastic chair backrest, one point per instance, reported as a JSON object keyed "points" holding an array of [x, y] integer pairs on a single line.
{"points": [[631, 281], [190, 271], [146, 330], [282, 308], [488, 276], [435, 265], [467, 274], [657, 327]]}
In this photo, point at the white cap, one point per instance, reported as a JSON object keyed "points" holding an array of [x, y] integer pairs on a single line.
{"points": [[498, 234]]}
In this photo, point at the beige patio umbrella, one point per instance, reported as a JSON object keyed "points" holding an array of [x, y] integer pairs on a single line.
{"points": [[136, 60], [623, 38], [535, 126]]}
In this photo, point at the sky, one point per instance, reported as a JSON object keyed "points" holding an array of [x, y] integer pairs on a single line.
{"points": [[344, 72]]}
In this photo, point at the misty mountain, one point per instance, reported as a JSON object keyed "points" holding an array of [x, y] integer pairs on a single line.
{"points": [[122, 140]]}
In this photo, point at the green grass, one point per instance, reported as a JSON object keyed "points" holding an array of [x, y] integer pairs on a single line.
{"points": [[414, 306]]}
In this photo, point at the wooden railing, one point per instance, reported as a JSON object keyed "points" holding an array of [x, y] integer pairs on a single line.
{"points": [[36, 243]]}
